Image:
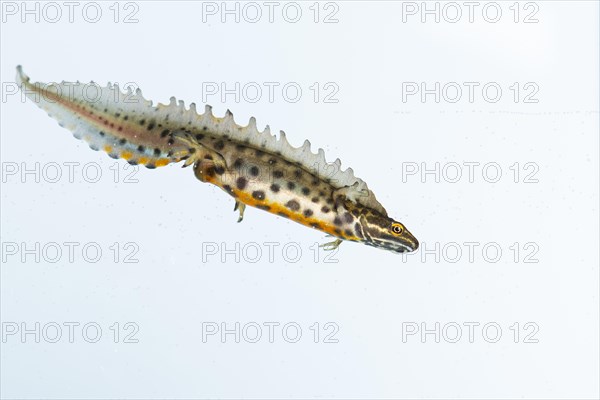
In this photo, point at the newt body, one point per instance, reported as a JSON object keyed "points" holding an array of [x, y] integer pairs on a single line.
{"points": [[255, 168]]}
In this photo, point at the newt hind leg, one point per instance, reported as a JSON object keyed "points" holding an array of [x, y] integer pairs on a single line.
{"points": [[207, 164]]}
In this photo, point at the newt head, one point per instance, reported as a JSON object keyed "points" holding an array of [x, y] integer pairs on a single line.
{"points": [[381, 231]]}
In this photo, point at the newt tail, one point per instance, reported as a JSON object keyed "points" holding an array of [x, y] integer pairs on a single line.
{"points": [[255, 168]]}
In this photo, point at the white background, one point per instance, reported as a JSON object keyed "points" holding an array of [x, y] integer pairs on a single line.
{"points": [[371, 295]]}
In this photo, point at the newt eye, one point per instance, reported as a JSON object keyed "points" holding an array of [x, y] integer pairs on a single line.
{"points": [[397, 229]]}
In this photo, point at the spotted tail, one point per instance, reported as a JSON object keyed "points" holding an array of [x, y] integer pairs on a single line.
{"points": [[124, 125]]}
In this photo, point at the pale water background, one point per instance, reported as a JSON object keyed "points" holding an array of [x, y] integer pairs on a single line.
{"points": [[522, 323]]}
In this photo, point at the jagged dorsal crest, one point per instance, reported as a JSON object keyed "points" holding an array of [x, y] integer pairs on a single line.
{"points": [[176, 114]]}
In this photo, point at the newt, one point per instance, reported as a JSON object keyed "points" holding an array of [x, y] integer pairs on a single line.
{"points": [[257, 169]]}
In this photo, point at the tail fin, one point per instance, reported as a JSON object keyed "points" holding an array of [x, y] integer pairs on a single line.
{"points": [[125, 125]]}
